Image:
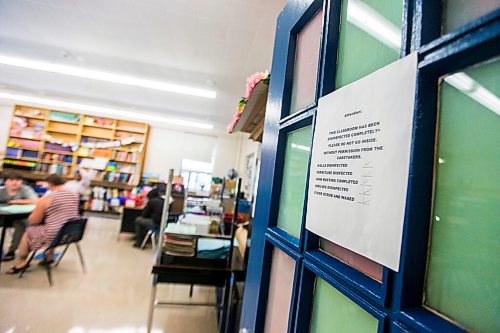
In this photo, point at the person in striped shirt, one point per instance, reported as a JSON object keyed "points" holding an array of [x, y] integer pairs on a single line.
{"points": [[51, 212]]}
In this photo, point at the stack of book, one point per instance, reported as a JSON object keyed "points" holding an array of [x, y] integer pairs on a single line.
{"points": [[179, 240]]}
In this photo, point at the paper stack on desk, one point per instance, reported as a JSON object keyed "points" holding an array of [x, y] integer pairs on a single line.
{"points": [[179, 240], [200, 222]]}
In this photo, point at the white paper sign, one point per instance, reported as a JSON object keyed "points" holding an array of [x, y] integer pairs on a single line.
{"points": [[360, 161]]}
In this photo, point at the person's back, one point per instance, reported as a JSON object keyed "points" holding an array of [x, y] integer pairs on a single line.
{"points": [[151, 216], [154, 210], [62, 208]]}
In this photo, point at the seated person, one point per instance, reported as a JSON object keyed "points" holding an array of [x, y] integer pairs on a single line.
{"points": [[16, 193], [51, 212], [151, 216]]}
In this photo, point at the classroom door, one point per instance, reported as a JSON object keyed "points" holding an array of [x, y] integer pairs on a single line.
{"points": [[299, 282]]}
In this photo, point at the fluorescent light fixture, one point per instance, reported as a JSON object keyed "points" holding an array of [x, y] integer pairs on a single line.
{"points": [[474, 90], [104, 76], [368, 20], [301, 147], [103, 110], [374, 24]]}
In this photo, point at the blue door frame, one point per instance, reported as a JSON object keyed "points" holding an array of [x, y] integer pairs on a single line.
{"points": [[397, 301]]}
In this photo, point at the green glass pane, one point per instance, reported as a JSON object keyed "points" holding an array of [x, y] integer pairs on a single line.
{"points": [[335, 312], [370, 37], [293, 186], [464, 261]]}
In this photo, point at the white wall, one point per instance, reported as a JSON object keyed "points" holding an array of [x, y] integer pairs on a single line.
{"points": [[167, 147], [247, 148]]}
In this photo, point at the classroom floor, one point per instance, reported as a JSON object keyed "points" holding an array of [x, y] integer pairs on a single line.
{"points": [[113, 296]]}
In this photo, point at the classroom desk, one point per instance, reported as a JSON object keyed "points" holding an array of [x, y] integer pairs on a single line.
{"points": [[128, 216], [201, 271], [6, 219]]}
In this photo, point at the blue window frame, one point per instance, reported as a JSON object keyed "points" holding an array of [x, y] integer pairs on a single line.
{"points": [[396, 301]]}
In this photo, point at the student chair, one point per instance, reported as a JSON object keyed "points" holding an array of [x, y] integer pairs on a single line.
{"points": [[70, 233], [151, 234]]}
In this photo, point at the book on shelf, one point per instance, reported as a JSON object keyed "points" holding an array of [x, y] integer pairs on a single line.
{"points": [[24, 144], [57, 158], [125, 156]]}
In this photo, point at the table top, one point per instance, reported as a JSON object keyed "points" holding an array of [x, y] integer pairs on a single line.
{"points": [[9, 210]]}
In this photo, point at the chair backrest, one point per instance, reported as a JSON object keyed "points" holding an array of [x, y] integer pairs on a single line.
{"points": [[71, 232]]}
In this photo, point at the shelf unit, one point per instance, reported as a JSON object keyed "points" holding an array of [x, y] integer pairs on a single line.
{"points": [[253, 116], [34, 146]]}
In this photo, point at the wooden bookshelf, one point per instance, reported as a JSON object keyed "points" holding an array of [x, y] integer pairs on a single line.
{"points": [[42, 141]]}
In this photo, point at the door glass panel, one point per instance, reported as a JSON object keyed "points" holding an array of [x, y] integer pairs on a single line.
{"points": [[293, 188], [370, 37], [335, 312], [306, 64], [464, 262], [357, 261], [280, 292], [459, 12]]}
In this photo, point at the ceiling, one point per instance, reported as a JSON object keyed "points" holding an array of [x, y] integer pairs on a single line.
{"points": [[208, 44]]}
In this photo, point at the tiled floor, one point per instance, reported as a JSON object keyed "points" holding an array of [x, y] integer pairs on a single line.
{"points": [[113, 295]]}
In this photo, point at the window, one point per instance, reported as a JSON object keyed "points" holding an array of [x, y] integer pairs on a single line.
{"points": [[462, 279], [197, 175]]}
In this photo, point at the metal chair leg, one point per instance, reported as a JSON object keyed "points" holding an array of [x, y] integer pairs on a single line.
{"points": [[153, 241], [28, 262], [152, 303], [145, 239], [81, 257], [191, 291], [62, 255], [49, 273]]}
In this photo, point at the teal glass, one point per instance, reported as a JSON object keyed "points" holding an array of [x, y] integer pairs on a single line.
{"points": [[293, 187], [335, 312], [464, 263], [370, 37]]}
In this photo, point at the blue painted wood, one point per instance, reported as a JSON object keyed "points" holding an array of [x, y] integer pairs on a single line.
{"points": [[360, 283], [424, 22], [397, 301], [365, 303], [295, 296], [418, 201], [481, 44], [305, 299], [296, 118], [286, 242], [396, 327], [435, 41], [330, 42], [421, 320], [255, 296]]}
